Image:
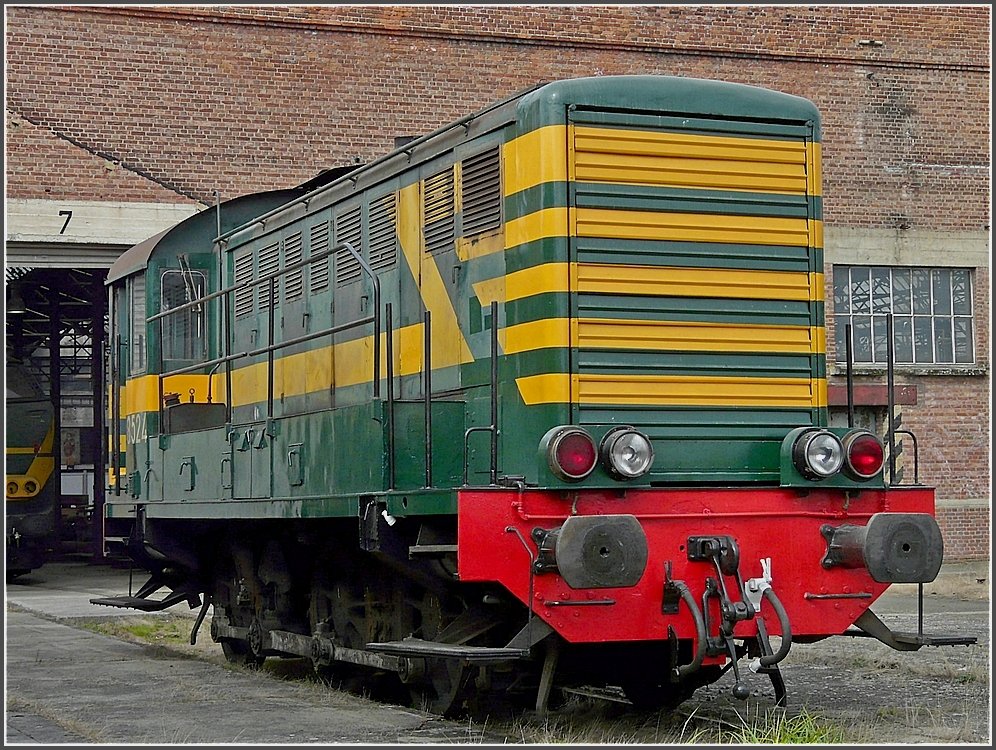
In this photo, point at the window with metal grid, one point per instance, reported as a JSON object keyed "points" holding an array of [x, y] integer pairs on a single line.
{"points": [[932, 309]]}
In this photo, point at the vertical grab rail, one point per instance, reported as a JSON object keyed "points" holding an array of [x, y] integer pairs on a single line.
{"points": [[270, 343], [116, 412], [493, 427], [890, 380], [226, 353], [494, 393], [427, 367], [849, 357], [389, 345]]}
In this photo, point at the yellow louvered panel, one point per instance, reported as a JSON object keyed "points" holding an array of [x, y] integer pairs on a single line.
{"points": [[687, 227], [690, 161], [600, 278], [610, 333], [697, 390]]}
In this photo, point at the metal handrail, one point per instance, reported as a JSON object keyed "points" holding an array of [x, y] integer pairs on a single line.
{"points": [[272, 346]]}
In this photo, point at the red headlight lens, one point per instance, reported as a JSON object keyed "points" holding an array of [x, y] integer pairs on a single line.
{"points": [[864, 454], [572, 454]]}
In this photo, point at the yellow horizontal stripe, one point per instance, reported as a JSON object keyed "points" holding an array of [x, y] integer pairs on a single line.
{"points": [[539, 225], [673, 390], [677, 390], [20, 451], [549, 388], [535, 158], [296, 374], [537, 334], [698, 282], [610, 333], [688, 227], [548, 277], [650, 157], [599, 278]]}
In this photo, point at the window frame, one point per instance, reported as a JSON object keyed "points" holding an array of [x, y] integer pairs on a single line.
{"points": [[917, 321]]}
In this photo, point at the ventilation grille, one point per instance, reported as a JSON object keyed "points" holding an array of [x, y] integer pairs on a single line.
{"points": [[319, 276], [294, 280], [269, 261], [243, 282], [480, 188], [347, 229], [438, 212], [383, 233]]}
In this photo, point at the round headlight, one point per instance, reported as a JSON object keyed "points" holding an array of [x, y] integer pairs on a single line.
{"points": [[30, 486], [12, 488], [571, 454], [818, 454], [626, 453], [864, 454]]}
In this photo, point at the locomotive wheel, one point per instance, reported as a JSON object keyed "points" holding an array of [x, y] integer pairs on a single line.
{"points": [[448, 680], [227, 588], [239, 653]]}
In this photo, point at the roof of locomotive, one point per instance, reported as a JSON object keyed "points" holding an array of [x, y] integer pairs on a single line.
{"points": [[199, 230], [544, 104]]}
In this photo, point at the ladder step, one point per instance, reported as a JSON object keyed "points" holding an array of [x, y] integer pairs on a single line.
{"points": [[917, 639], [416, 647], [140, 603]]}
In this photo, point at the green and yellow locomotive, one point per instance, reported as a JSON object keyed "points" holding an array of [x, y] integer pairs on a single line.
{"points": [[536, 400]]}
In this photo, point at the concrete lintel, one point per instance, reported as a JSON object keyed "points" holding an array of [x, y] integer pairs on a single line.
{"points": [[905, 247], [90, 222]]}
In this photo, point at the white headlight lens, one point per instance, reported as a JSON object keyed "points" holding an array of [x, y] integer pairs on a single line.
{"points": [[819, 454], [627, 453]]}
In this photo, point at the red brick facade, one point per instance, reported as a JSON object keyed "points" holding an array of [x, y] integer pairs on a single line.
{"points": [[169, 103]]}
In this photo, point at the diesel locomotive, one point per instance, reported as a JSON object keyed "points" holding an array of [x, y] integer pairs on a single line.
{"points": [[534, 401], [31, 500]]}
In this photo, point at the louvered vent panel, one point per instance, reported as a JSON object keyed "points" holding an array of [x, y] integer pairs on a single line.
{"points": [[481, 192], [383, 233], [319, 276], [243, 282], [294, 280], [269, 261], [347, 229], [438, 212]]}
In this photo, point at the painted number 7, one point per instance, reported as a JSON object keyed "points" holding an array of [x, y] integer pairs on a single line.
{"points": [[68, 215]]}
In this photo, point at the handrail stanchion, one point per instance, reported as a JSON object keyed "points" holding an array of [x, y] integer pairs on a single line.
{"points": [[389, 346], [427, 368], [494, 392]]}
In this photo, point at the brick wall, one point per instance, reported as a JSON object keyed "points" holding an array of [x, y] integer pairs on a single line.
{"points": [[244, 99], [965, 531], [140, 103]]}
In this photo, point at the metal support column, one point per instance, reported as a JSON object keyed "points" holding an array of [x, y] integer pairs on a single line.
{"points": [[100, 437]]}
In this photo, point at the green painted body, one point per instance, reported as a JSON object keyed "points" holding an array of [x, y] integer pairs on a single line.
{"points": [[328, 451]]}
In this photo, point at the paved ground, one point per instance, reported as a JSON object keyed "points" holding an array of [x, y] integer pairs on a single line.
{"points": [[69, 686], [66, 685]]}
